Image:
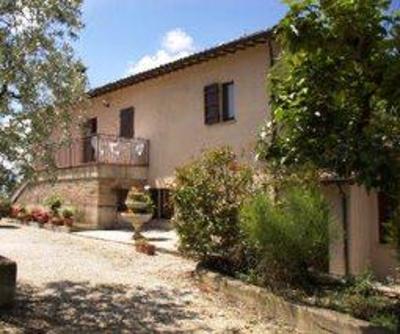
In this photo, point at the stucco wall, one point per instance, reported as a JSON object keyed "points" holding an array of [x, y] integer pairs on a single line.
{"points": [[169, 111], [365, 250]]}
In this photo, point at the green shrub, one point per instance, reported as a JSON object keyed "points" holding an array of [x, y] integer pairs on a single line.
{"points": [[5, 207], [291, 234], [54, 202], [207, 197], [359, 298]]}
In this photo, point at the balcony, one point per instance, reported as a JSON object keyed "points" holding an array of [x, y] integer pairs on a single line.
{"points": [[104, 149]]}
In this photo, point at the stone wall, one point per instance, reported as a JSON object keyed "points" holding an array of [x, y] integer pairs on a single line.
{"points": [[83, 194], [95, 199]]}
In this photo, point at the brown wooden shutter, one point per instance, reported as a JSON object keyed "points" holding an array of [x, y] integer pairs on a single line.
{"points": [[127, 123], [211, 104]]}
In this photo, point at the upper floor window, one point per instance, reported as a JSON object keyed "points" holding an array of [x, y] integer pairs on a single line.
{"points": [[219, 106], [126, 119]]}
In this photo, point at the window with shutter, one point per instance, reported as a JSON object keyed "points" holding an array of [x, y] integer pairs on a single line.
{"points": [[228, 103], [127, 123], [211, 104]]}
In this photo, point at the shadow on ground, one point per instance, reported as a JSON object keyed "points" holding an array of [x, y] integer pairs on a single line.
{"points": [[11, 227], [66, 307]]}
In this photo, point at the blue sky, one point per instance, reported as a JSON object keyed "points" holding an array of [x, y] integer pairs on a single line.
{"points": [[123, 37]]}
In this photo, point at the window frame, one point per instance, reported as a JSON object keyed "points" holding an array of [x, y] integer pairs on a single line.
{"points": [[226, 117]]}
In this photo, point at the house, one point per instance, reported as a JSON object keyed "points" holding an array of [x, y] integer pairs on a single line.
{"points": [[139, 129]]}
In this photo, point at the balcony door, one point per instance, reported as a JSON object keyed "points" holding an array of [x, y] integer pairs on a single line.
{"points": [[90, 140]]}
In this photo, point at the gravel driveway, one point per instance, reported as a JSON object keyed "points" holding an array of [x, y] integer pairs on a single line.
{"points": [[68, 284]]}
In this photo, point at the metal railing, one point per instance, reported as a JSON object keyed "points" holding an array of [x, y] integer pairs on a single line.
{"points": [[103, 149]]}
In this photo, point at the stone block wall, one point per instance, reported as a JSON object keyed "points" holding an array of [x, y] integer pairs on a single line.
{"points": [[83, 194], [95, 198]]}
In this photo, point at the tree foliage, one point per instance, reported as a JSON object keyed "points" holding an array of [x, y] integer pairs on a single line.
{"points": [[40, 79], [334, 92]]}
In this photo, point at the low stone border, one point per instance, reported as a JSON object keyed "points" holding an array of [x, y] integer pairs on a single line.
{"points": [[8, 279], [304, 318]]}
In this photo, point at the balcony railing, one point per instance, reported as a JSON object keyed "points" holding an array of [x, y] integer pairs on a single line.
{"points": [[103, 149]]}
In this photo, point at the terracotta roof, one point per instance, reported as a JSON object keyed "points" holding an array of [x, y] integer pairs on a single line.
{"points": [[241, 43]]}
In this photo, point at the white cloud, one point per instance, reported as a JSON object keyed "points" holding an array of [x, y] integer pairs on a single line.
{"points": [[177, 40], [176, 44]]}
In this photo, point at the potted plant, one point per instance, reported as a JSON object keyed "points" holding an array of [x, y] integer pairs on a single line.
{"points": [[56, 222], [68, 214], [143, 246], [140, 209], [54, 203], [15, 209], [36, 214]]}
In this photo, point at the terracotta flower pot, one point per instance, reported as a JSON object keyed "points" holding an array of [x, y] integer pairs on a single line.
{"points": [[145, 247]]}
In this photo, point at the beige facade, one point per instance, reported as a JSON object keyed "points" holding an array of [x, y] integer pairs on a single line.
{"points": [[365, 251], [169, 114], [169, 110]]}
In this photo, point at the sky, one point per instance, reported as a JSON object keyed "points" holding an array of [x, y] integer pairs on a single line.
{"points": [[123, 37]]}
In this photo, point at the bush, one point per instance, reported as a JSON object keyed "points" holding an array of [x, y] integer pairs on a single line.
{"points": [[359, 298], [54, 202], [291, 234], [5, 207], [207, 198]]}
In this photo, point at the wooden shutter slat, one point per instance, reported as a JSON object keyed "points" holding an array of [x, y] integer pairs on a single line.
{"points": [[212, 104]]}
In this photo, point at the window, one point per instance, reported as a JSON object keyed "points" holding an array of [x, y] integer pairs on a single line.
{"points": [[90, 127], [386, 213], [89, 140], [126, 119], [228, 101], [213, 99]]}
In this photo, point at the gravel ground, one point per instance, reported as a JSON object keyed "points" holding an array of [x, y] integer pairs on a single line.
{"points": [[68, 284]]}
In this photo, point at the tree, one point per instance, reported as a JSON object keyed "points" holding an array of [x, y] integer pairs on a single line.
{"points": [[40, 79], [334, 93]]}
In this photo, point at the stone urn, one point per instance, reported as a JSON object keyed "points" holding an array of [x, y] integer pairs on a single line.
{"points": [[137, 221], [140, 210]]}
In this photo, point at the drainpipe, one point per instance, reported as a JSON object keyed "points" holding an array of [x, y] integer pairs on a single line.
{"points": [[345, 226]]}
